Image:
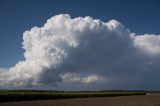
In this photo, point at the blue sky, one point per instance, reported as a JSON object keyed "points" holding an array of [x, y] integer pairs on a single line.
{"points": [[17, 16], [80, 53]]}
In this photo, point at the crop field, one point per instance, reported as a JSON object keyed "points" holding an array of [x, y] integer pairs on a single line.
{"points": [[30, 95]]}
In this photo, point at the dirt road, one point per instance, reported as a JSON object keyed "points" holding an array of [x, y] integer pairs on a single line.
{"points": [[144, 100]]}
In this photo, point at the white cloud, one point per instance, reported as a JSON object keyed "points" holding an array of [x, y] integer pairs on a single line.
{"points": [[149, 44], [77, 78], [85, 53]]}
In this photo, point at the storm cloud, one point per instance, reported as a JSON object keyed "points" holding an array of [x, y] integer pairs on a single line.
{"points": [[85, 54]]}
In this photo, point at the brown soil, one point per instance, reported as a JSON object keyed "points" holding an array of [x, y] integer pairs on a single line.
{"points": [[151, 99]]}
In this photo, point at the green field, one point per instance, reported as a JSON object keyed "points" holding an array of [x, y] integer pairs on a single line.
{"points": [[28, 95]]}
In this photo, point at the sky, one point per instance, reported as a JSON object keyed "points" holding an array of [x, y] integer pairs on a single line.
{"points": [[128, 48], [16, 16]]}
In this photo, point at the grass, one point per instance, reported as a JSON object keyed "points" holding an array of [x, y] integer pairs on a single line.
{"points": [[28, 95]]}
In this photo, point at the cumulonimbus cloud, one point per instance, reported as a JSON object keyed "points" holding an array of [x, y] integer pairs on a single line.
{"points": [[85, 54]]}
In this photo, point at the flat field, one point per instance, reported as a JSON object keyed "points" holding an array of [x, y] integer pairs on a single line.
{"points": [[150, 99], [23, 95]]}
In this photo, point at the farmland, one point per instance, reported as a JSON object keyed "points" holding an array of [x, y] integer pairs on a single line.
{"points": [[30, 95]]}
